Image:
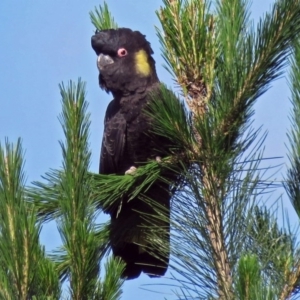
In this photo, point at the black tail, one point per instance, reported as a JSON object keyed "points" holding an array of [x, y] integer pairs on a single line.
{"points": [[140, 232]]}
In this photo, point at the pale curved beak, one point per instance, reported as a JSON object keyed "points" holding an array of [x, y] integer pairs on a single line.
{"points": [[103, 60]]}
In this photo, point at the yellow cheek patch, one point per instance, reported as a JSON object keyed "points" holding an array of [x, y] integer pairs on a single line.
{"points": [[141, 63]]}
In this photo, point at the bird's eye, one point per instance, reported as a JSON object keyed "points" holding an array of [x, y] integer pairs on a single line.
{"points": [[97, 31], [122, 52]]}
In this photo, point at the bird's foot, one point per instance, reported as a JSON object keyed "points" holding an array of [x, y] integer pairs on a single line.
{"points": [[130, 171]]}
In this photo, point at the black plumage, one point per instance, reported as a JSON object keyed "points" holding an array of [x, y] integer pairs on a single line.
{"points": [[127, 70]]}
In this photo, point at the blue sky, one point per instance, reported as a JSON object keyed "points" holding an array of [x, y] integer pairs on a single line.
{"points": [[46, 42]]}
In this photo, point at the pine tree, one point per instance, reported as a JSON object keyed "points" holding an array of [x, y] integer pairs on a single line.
{"points": [[225, 242]]}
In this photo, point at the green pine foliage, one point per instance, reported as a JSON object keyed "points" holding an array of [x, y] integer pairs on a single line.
{"points": [[218, 205], [225, 243], [102, 18], [25, 272], [67, 197]]}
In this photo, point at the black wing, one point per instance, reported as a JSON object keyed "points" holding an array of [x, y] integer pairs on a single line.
{"points": [[113, 142]]}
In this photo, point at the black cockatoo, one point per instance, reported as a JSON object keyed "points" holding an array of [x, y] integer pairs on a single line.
{"points": [[127, 70]]}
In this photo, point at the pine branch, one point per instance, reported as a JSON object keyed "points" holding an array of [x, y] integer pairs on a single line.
{"points": [[241, 65], [195, 257], [276, 32], [45, 196], [249, 278], [275, 248], [292, 279], [77, 227], [111, 287], [68, 197], [191, 59], [25, 271], [292, 185], [293, 176], [215, 228], [102, 18]]}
